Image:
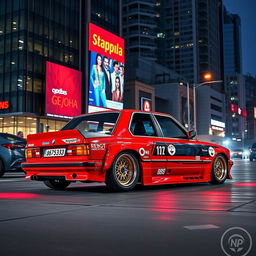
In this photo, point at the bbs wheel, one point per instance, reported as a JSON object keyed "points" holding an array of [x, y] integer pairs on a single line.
{"points": [[219, 170], [124, 173], [57, 184]]}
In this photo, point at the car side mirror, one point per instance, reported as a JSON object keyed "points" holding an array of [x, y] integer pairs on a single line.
{"points": [[192, 134]]}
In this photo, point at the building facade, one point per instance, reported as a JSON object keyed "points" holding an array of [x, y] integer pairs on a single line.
{"points": [[34, 32]]}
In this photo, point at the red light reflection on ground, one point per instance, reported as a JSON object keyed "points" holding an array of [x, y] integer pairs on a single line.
{"points": [[17, 195], [246, 184]]}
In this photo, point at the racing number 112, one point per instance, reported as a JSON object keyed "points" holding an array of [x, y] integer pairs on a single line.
{"points": [[160, 150]]}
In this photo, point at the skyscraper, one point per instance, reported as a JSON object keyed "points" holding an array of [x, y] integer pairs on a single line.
{"points": [[139, 28], [33, 32], [232, 43]]}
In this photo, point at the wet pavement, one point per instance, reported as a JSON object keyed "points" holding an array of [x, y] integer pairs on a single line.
{"points": [[87, 219]]}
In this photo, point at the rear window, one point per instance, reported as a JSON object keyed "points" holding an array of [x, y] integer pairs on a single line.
{"points": [[254, 145], [95, 123]]}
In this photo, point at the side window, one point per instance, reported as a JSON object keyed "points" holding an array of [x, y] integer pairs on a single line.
{"points": [[169, 128], [142, 125]]}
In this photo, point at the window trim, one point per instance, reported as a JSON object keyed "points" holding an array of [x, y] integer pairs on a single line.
{"points": [[176, 122], [158, 131]]}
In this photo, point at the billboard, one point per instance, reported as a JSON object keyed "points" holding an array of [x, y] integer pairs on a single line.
{"points": [[106, 76], [63, 91], [145, 104]]}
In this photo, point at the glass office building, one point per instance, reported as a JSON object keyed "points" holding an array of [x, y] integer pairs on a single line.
{"points": [[33, 32]]}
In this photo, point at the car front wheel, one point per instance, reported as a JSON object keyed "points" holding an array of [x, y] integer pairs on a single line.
{"points": [[57, 184], [219, 170], [124, 173]]}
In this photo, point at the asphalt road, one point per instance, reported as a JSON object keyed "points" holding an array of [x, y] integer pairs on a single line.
{"points": [[86, 219]]}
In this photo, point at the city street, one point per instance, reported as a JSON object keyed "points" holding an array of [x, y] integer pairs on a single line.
{"points": [[86, 219]]}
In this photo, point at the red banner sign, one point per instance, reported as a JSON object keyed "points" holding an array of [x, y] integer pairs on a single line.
{"points": [[4, 104], [106, 43], [63, 91], [236, 109]]}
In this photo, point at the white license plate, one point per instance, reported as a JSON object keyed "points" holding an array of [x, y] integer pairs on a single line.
{"points": [[54, 152]]}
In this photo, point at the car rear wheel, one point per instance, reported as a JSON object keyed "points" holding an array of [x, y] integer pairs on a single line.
{"points": [[1, 168], [219, 170], [124, 173], [57, 184]]}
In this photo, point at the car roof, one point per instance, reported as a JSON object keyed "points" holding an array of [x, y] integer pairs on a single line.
{"points": [[126, 111]]}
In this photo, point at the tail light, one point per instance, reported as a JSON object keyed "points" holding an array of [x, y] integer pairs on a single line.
{"points": [[32, 152], [78, 150], [250, 150], [13, 146]]}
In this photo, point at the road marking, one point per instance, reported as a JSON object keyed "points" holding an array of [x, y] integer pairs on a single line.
{"points": [[12, 180], [200, 227]]}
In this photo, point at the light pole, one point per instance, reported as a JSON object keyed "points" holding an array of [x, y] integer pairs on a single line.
{"points": [[188, 102], [195, 86]]}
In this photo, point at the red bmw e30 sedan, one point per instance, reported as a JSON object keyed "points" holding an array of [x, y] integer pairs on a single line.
{"points": [[122, 148]]}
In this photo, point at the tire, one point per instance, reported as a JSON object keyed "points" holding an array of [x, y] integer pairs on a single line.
{"points": [[1, 168], [219, 170], [57, 184], [124, 173], [251, 159]]}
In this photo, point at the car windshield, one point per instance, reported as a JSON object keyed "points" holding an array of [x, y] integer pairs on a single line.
{"points": [[100, 123]]}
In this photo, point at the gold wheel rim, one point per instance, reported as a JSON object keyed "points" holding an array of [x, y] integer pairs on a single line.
{"points": [[220, 168], [126, 170]]}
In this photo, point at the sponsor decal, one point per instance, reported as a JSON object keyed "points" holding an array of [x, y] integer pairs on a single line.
{"points": [[171, 150], [53, 141], [73, 140], [161, 171], [143, 152], [45, 143], [98, 146], [211, 151], [179, 149], [31, 145]]}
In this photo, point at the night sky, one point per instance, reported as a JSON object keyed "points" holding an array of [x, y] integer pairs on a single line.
{"points": [[246, 9]]}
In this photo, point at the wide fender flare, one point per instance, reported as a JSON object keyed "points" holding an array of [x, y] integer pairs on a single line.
{"points": [[113, 150]]}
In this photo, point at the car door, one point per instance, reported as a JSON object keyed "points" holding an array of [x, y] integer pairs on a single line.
{"points": [[153, 158], [182, 154]]}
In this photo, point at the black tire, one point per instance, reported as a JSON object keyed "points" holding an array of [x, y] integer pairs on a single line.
{"points": [[251, 159], [57, 184], [219, 170], [1, 168], [124, 173]]}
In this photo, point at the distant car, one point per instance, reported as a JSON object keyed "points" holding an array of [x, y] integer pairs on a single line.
{"points": [[236, 153], [12, 152], [122, 148], [253, 152]]}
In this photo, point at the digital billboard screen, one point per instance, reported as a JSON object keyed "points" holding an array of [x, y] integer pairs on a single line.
{"points": [[63, 91], [106, 79]]}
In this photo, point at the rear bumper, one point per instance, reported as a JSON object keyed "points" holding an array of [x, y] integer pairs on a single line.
{"points": [[71, 171], [63, 165]]}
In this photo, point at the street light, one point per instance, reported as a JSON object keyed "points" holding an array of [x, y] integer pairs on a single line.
{"points": [[206, 76], [188, 102]]}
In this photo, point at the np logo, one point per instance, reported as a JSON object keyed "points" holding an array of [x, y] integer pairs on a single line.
{"points": [[171, 150], [236, 241], [211, 151]]}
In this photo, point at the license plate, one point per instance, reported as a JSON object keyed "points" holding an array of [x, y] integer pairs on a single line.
{"points": [[54, 152]]}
